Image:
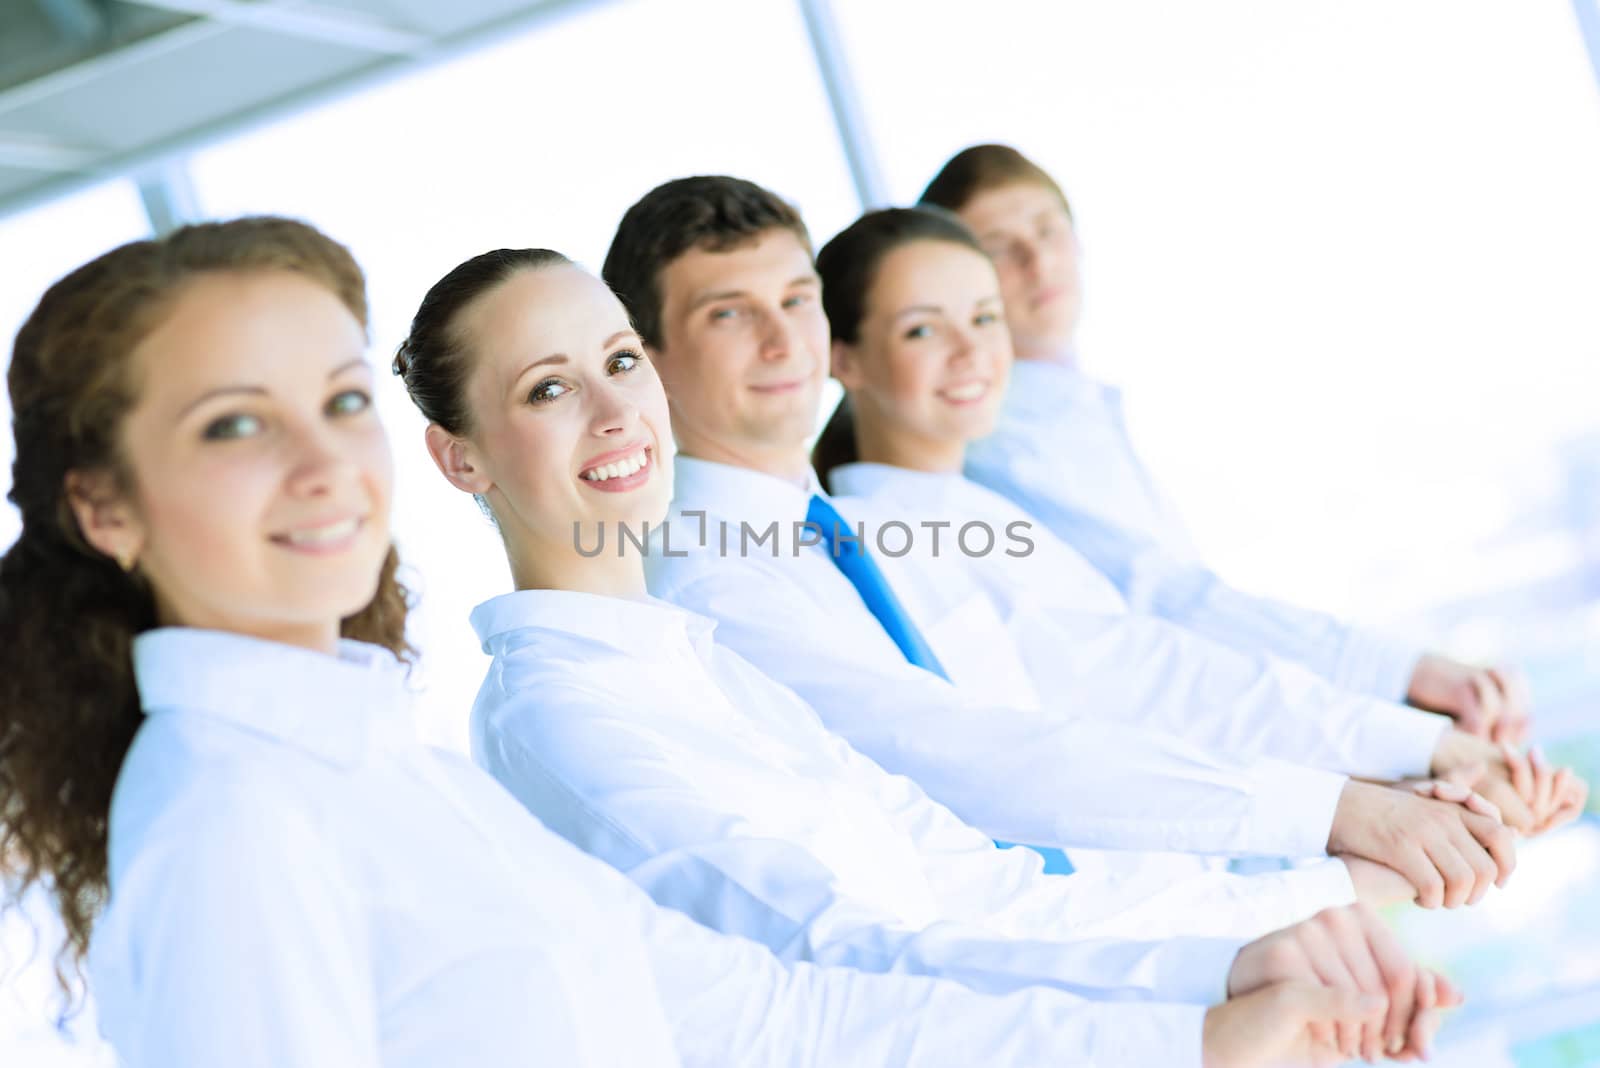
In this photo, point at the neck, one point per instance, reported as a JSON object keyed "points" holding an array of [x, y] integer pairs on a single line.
{"points": [[320, 637], [878, 443], [602, 559], [793, 465], [1046, 350]]}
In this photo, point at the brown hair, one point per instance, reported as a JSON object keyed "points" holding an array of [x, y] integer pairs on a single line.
{"points": [[711, 212], [848, 265], [432, 361], [981, 168], [69, 707]]}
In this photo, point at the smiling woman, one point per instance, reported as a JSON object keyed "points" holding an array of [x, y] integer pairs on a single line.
{"points": [[118, 478]]}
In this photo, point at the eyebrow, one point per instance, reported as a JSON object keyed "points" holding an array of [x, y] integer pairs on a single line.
{"points": [[561, 357], [811, 279], [261, 391]]}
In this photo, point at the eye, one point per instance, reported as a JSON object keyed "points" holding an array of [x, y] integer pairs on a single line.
{"points": [[722, 315], [797, 300], [231, 427], [548, 390], [349, 402], [921, 330], [986, 318], [623, 362]]}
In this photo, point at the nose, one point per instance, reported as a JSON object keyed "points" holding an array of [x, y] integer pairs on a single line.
{"points": [[615, 412], [318, 465], [777, 336]]}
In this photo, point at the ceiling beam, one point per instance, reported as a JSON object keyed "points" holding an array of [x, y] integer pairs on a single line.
{"points": [[33, 153], [326, 24]]}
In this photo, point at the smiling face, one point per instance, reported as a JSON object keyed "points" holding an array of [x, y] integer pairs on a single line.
{"points": [[258, 476], [567, 416], [928, 371], [1027, 232], [744, 352]]}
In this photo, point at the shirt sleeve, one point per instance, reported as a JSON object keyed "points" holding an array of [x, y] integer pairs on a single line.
{"points": [[1162, 677], [235, 940], [1164, 584], [605, 787], [731, 1002], [1040, 776]]}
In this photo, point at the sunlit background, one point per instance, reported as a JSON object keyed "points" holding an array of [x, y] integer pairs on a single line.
{"points": [[1344, 259]]}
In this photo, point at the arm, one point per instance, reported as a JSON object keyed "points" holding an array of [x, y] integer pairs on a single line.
{"points": [[1159, 583], [598, 781], [1018, 774], [234, 939]]}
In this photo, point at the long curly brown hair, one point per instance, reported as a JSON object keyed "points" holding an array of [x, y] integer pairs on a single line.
{"points": [[68, 614]]}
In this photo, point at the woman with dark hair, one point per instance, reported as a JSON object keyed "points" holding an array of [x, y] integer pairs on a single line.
{"points": [[620, 722], [206, 749], [921, 345]]}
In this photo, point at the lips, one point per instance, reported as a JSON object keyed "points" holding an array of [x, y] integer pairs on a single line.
{"points": [[621, 470], [320, 539], [965, 392], [779, 387]]}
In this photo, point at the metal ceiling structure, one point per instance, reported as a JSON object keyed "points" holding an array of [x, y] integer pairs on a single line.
{"points": [[96, 89]]}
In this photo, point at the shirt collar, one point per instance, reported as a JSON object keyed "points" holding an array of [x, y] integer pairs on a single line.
{"points": [[738, 492], [642, 627], [333, 707], [886, 480], [1044, 386]]}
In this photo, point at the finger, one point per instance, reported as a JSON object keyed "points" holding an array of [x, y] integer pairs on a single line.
{"points": [[1446, 790], [1450, 858], [1448, 995], [1544, 784], [1492, 850], [1420, 1034], [1351, 935], [1476, 802], [1329, 966], [1518, 701], [1467, 775], [1514, 811], [1490, 702], [1520, 771], [1399, 977], [1413, 862]]}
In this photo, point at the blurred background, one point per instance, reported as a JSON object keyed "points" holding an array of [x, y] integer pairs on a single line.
{"points": [[1344, 260]]}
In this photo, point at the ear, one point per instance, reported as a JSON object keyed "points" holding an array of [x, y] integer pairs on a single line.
{"points": [[846, 365], [106, 518], [456, 460]]}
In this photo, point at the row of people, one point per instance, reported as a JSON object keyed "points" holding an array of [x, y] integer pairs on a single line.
{"points": [[806, 746]]}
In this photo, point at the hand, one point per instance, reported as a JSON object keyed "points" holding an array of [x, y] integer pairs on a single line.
{"points": [[1274, 1026], [1488, 702], [1532, 796], [1450, 855], [1349, 948], [1458, 786]]}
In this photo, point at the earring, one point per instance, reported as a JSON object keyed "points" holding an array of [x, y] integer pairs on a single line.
{"points": [[125, 560]]}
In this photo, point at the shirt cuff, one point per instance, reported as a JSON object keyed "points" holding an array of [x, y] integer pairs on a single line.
{"points": [[1291, 809], [1376, 664], [1321, 884], [1395, 742]]}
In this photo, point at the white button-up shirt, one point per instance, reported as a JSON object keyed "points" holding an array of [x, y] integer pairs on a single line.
{"points": [[1080, 645], [622, 725], [1061, 451], [1019, 773], [297, 881]]}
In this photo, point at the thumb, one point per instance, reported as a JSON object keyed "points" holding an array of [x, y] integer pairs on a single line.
{"points": [[1467, 775]]}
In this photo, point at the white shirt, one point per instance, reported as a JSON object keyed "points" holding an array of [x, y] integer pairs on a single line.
{"points": [[624, 726], [1061, 452], [1081, 647], [296, 881], [1019, 773]]}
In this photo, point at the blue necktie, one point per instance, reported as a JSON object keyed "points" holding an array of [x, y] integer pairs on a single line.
{"points": [[850, 556]]}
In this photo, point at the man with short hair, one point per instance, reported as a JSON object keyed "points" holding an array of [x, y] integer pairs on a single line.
{"points": [[718, 275]]}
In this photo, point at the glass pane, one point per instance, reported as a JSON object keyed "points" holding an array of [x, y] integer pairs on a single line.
{"points": [[1342, 257], [542, 140]]}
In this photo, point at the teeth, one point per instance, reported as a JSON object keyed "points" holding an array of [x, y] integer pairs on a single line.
{"points": [[621, 469], [970, 391], [324, 535]]}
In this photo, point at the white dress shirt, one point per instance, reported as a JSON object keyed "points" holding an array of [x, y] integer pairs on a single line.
{"points": [[1080, 645], [1019, 773], [622, 725], [296, 881], [1061, 452]]}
